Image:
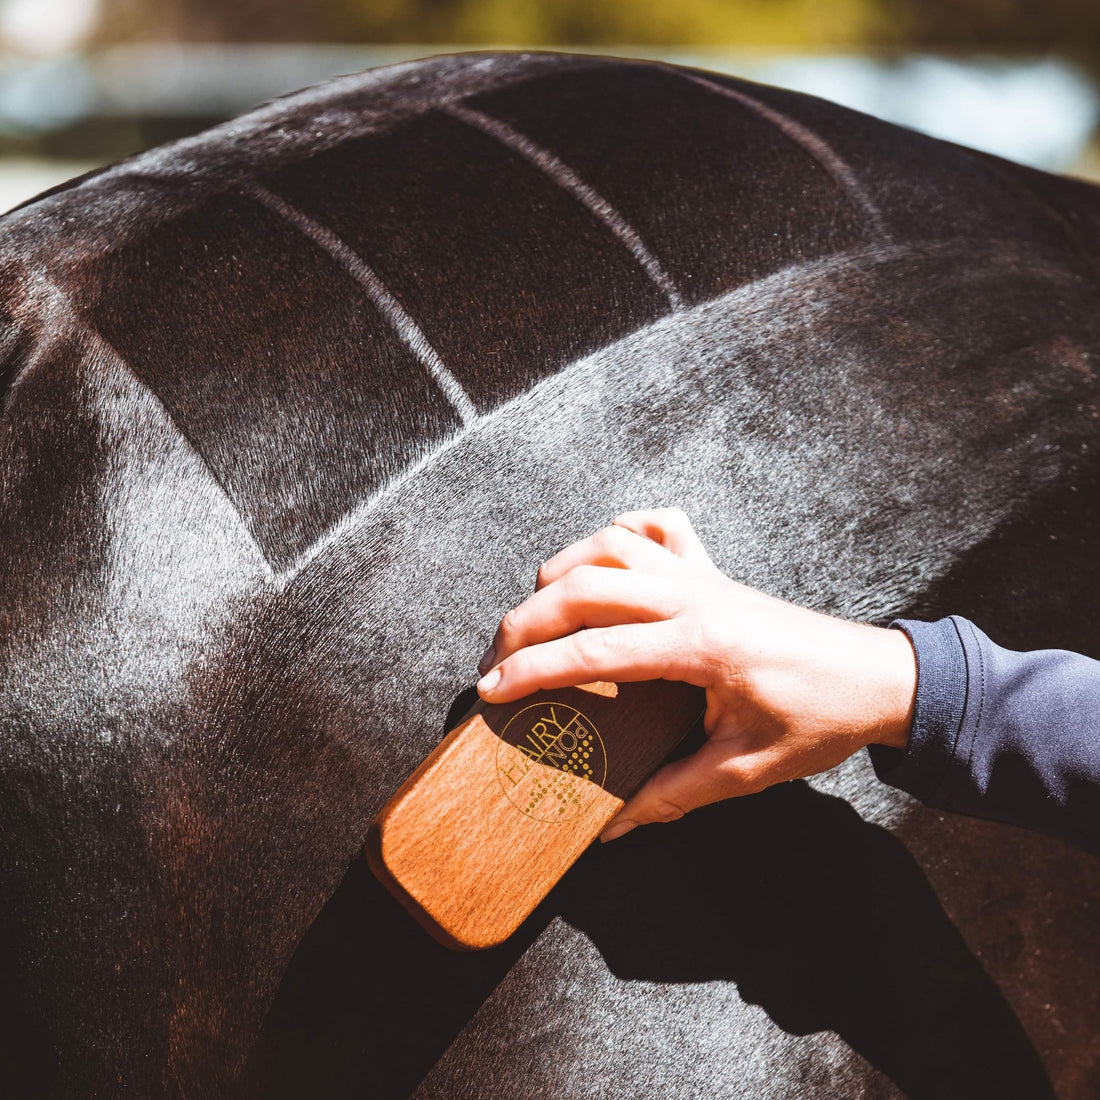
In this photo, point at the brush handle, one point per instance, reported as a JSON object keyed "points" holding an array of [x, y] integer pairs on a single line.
{"points": [[478, 835]]}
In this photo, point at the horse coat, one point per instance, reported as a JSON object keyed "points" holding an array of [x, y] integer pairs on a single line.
{"points": [[293, 410]]}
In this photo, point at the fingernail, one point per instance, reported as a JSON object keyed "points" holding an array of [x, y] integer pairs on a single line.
{"points": [[618, 829], [487, 683], [486, 661]]}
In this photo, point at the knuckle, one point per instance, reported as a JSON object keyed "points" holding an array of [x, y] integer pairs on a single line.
{"points": [[674, 522], [584, 580], [700, 638], [743, 777], [593, 647], [702, 634], [509, 625], [516, 669], [664, 810], [572, 584], [610, 540], [523, 663]]}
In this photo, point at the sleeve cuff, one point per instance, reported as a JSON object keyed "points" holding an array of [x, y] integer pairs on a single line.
{"points": [[938, 713]]}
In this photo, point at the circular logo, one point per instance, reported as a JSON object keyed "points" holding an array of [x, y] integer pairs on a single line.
{"points": [[550, 760]]}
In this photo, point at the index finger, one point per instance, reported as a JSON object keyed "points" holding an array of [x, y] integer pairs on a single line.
{"points": [[633, 651]]}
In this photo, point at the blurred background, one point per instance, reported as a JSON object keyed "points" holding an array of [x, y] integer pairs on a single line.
{"points": [[85, 82]]}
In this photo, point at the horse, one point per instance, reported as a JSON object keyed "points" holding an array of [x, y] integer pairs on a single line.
{"points": [[292, 411]]}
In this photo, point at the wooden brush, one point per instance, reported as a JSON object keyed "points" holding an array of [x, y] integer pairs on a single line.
{"points": [[477, 836]]}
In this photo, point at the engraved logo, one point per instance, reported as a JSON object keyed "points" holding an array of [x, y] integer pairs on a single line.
{"points": [[570, 751]]}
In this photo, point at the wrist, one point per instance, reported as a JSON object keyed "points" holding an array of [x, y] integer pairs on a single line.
{"points": [[897, 689]]}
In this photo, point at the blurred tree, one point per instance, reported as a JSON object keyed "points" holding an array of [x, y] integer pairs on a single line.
{"points": [[1069, 27], [214, 21], [1065, 26], [798, 23]]}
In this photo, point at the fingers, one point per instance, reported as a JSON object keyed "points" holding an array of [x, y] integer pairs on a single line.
{"points": [[634, 651], [671, 528], [611, 546], [588, 596], [717, 771]]}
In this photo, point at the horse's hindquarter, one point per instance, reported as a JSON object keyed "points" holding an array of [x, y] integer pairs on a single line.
{"points": [[305, 404]]}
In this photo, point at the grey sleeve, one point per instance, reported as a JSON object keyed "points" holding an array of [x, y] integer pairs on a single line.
{"points": [[1003, 735]]}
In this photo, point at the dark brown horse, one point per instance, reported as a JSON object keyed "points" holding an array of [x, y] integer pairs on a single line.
{"points": [[293, 410]]}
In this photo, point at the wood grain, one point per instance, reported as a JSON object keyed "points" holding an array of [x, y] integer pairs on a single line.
{"points": [[477, 836]]}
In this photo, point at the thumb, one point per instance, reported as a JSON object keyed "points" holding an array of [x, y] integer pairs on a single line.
{"points": [[706, 776]]}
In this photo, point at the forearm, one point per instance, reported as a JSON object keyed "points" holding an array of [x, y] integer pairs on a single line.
{"points": [[1004, 735]]}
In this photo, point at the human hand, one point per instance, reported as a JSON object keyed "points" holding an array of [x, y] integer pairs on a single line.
{"points": [[790, 692]]}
